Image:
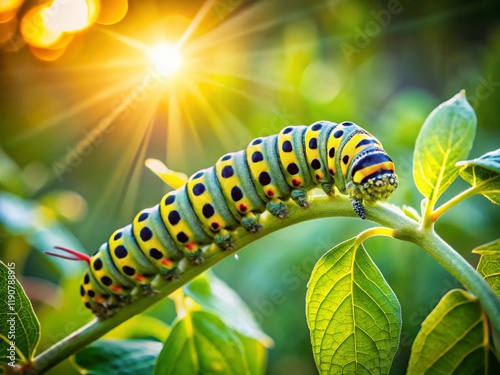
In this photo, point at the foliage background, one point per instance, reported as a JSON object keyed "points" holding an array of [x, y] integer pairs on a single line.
{"points": [[265, 65]]}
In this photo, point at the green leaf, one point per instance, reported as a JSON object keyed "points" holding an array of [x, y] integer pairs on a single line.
{"points": [[200, 343], [255, 353], [37, 225], [125, 357], [451, 339], [483, 173], [489, 264], [216, 296], [19, 326], [353, 315], [445, 138]]}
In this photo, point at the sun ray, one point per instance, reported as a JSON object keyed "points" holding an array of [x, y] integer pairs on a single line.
{"points": [[130, 188], [176, 133], [198, 18], [126, 40], [109, 200], [256, 99], [270, 83], [258, 17], [72, 112]]}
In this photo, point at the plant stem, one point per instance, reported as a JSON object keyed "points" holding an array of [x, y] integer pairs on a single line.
{"points": [[452, 202], [427, 223], [454, 263], [372, 232], [403, 228]]}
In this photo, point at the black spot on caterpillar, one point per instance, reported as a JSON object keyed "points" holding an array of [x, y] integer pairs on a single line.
{"points": [[217, 200]]}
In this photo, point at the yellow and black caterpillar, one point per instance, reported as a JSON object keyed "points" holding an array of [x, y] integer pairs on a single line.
{"points": [[233, 193]]}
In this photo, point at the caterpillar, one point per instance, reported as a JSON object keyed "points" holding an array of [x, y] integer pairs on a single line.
{"points": [[233, 193]]}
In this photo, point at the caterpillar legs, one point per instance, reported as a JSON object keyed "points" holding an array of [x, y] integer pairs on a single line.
{"points": [[169, 275], [300, 197], [195, 255], [327, 188], [357, 205], [251, 223], [224, 240], [277, 208]]}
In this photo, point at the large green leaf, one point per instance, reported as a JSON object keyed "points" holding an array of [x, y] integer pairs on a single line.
{"points": [[124, 357], [483, 173], [255, 353], [19, 326], [451, 339], [445, 138], [216, 296], [353, 315], [200, 343], [489, 264]]}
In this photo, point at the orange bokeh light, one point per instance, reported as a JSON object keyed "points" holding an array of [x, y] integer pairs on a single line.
{"points": [[51, 25], [34, 30], [9, 5], [47, 54], [70, 16], [113, 12]]}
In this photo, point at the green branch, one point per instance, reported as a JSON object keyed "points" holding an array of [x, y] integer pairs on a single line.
{"points": [[455, 200], [321, 207]]}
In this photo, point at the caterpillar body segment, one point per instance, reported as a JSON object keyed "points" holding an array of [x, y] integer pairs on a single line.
{"points": [[210, 207], [183, 225], [238, 189], [160, 249], [233, 193]]}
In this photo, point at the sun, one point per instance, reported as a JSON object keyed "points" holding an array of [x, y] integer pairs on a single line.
{"points": [[167, 58]]}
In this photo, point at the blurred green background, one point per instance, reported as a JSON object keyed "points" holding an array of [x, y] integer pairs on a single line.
{"points": [[250, 68]]}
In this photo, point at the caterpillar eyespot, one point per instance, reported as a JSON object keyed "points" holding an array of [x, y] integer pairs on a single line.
{"points": [[217, 200]]}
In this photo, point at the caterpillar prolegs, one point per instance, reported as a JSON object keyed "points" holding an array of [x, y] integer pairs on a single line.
{"points": [[233, 193]]}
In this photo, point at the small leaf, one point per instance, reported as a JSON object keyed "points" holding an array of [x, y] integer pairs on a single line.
{"points": [[19, 326], [445, 138], [200, 343], [353, 315], [489, 264], [483, 173], [411, 213], [124, 357], [216, 296], [451, 339], [172, 178]]}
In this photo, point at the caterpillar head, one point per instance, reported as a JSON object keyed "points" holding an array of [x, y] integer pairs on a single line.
{"points": [[373, 176]]}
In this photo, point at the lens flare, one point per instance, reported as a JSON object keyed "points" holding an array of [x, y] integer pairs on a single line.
{"points": [[167, 58]]}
